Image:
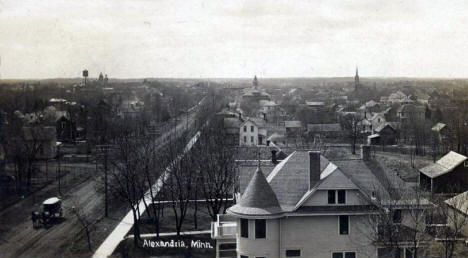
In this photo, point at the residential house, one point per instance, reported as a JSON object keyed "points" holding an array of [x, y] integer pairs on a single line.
{"points": [[385, 134], [272, 112], [376, 120], [449, 174], [410, 112], [293, 128], [332, 131], [371, 107], [442, 132], [231, 127], [309, 206], [399, 97], [458, 213], [252, 132]]}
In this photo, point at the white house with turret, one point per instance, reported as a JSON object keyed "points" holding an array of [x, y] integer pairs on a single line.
{"points": [[308, 206]]}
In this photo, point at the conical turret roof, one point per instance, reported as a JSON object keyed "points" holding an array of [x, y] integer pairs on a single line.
{"points": [[258, 199]]}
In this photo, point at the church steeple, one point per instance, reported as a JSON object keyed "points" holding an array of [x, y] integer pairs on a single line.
{"points": [[356, 79], [255, 82]]}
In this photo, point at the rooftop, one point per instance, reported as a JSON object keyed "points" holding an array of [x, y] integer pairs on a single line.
{"points": [[258, 199], [323, 127], [444, 165]]}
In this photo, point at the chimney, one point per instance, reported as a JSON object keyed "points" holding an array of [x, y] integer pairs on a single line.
{"points": [[274, 160], [314, 169], [240, 115], [365, 152]]}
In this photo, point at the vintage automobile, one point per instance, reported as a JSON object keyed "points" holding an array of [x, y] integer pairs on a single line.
{"points": [[51, 210]]}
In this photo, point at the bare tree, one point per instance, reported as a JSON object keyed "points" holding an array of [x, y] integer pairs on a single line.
{"points": [[83, 220], [178, 184], [216, 169], [454, 212], [127, 181], [399, 221]]}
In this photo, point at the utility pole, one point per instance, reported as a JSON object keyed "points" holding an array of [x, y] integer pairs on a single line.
{"points": [[59, 169], [104, 152], [106, 204]]}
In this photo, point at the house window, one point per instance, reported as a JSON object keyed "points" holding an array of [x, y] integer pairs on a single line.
{"points": [[344, 255], [344, 224], [260, 228], [245, 128], [336, 196], [331, 197], [251, 139], [244, 256], [244, 228], [293, 253], [252, 128], [245, 139], [397, 216], [341, 196]]}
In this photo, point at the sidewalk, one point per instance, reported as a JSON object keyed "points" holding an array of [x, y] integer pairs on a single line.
{"points": [[126, 224]]}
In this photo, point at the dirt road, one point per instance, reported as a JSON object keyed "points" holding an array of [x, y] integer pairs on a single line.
{"points": [[19, 239]]}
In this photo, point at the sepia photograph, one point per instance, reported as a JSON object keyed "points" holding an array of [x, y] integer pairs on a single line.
{"points": [[233, 129]]}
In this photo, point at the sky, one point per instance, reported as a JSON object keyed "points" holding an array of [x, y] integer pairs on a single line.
{"points": [[208, 39]]}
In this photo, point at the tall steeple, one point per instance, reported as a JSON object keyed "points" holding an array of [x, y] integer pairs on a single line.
{"points": [[356, 80], [255, 82]]}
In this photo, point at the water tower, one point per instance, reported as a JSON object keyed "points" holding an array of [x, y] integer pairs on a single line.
{"points": [[85, 76]]}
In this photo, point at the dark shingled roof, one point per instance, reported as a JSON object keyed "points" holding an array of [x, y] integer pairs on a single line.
{"points": [[258, 199], [247, 169], [291, 181]]}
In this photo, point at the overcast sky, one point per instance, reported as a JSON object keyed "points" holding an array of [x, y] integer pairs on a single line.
{"points": [[183, 38]]}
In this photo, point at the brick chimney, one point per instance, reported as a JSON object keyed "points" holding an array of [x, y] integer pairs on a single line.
{"points": [[365, 152], [314, 168]]}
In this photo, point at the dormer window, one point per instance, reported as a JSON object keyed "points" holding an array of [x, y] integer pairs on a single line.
{"points": [[336, 196]]}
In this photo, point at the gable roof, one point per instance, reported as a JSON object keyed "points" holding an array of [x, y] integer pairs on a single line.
{"points": [[315, 103], [290, 178], [292, 124], [232, 122], [444, 165], [437, 127], [258, 199], [459, 202], [382, 126]]}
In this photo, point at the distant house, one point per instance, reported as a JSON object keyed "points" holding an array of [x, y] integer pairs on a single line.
{"points": [[293, 128], [385, 134], [442, 131], [377, 120], [231, 127], [277, 139], [59, 104], [252, 133], [365, 126], [271, 112], [410, 112], [399, 97], [66, 129], [448, 175], [324, 130], [370, 106]]}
